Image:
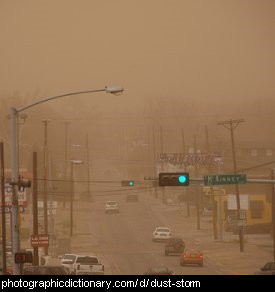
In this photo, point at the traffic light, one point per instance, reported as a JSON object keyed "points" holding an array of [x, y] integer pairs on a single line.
{"points": [[127, 183], [24, 183], [173, 179], [23, 257]]}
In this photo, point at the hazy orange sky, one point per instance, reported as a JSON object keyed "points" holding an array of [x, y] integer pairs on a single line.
{"points": [[215, 52], [191, 49]]}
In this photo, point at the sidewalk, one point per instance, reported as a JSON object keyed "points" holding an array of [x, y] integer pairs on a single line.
{"points": [[258, 248]]}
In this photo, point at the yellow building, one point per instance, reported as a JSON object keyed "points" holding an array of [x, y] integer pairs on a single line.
{"points": [[257, 211]]}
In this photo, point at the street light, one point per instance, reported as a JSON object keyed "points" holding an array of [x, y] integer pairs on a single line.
{"points": [[13, 155], [73, 162]]}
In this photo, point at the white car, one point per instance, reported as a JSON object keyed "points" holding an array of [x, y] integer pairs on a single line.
{"points": [[162, 233], [111, 207]]}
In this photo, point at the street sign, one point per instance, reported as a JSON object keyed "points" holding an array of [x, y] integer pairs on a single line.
{"points": [[40, 240], [224, 179]]}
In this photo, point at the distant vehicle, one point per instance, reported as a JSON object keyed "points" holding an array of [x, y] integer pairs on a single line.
{"points": [[161, 233], [191, 257], [131, 198], [267, 269], [111, 207], [159, 271], [174, 245], [89, 265], [44, 270]]}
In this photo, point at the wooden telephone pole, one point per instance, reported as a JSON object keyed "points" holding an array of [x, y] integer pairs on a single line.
{"points": [[231, 125]]}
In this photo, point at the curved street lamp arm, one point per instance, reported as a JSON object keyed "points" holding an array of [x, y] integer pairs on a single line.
{"points": [[58, 96]]}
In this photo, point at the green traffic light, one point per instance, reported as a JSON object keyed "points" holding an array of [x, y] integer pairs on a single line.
{"points": [[182, 179], [131, 183]]}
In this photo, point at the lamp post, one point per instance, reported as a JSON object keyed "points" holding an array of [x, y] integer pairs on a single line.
{"points": [[73, 162], [13, 156]]}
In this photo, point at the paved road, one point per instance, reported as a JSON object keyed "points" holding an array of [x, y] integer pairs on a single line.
{"points": [[124, 240]]}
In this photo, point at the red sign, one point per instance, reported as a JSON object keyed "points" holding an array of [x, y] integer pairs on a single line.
{"points": [[40, 240]]}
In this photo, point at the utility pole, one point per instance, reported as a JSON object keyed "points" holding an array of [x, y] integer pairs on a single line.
{"points": [[34, 208], [161, 151], [4, 239], [273, 213], [186, 191], [66, 155], [213, 202], [231, 125], [88, 167], [155, 161], [45, 194], [197, 188]]}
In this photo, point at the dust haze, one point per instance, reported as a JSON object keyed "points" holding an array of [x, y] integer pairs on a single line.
{"points": [[184, 64]]}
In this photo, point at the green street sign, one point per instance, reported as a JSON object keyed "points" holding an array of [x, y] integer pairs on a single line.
{"points": [[224, 179]]}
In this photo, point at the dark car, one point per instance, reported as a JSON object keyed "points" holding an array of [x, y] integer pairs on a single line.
{"points": [[174, 245], [132, 198], [44, 270], [267, 269], [159, 271]]}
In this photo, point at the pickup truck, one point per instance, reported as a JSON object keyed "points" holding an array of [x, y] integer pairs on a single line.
{"points": [[89, 265], [82, 264]]}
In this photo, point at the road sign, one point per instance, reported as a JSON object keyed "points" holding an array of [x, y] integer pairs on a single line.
{"points": [[224, 179], [40, 240]]}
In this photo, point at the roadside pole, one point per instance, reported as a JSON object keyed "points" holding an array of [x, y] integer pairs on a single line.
{"points": [[213, 202], [185, 191], [4, 239], [45, 191], [197, 188], [273, 213], [231, 125], [155, 160], [34, 209], [163, 197]]}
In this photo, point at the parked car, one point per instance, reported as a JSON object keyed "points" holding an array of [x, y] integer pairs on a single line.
{"points": [[44, 270], [111, 207], [159, 271], [89, 265], [174, 245], [161, 233], [191, 257], [131, 198], [267, 269]]}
